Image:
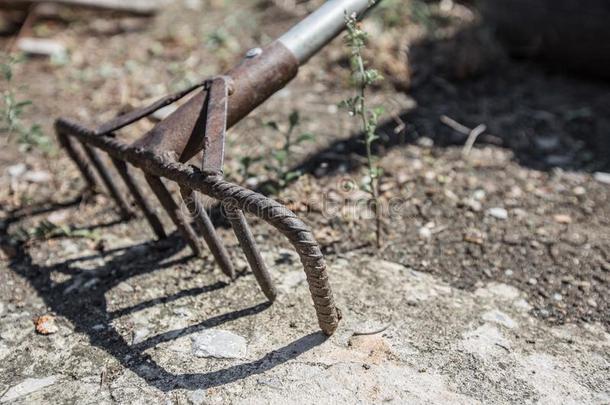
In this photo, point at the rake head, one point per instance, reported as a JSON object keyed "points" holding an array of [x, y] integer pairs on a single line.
{"points": [[198, 128]]}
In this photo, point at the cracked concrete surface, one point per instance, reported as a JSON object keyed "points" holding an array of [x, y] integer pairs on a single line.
{"points": [[437, 344]]}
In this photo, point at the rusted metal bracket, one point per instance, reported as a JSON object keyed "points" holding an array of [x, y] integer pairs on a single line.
{"points": [[216, 125]]}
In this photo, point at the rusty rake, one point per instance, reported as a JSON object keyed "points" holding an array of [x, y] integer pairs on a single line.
{"points": [[198, 129]]}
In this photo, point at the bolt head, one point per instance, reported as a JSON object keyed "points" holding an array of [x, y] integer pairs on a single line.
{"points": [[253, 53]]}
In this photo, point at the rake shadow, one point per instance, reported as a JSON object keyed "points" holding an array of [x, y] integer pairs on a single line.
{"points": [[87, 311]]}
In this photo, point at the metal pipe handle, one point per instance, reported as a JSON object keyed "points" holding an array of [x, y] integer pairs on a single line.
{"points": [[310, 35]]}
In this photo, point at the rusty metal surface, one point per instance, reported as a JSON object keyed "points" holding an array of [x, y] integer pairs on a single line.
{"points": [[253, 255], [216, 126], [206, 228], [173, 211], [123, 120], [237, 197], [253, 81], [79, 160], [257, 78], [108, 181], [131, 184]]}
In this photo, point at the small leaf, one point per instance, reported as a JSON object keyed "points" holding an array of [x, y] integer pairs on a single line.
{"points": [[290, 176], [280, 156], [272, 125], [306, 137], [23, 103], [294, 118], [7, 72]]}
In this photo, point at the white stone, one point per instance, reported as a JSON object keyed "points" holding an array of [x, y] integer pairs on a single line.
{"points": [[479, 195], [37, 176], [125, 287], [499, 317], [58, 217], [26, 387], [197, 397], [140, 335], [486, 341], [219, 343], [498, 213], [42, 47], [522, 305], [498, 291], [602, 177], [425, 232], [16, 170]]}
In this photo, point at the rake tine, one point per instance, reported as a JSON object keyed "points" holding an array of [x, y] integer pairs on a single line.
{"points": [[78, 159], [172, 209], [131, 184], [107, 179], [253, 255], [206, 228]]}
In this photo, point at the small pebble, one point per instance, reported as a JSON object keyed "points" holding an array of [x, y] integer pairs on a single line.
{"points": [[45, 325], [37, 176], [16, 170], [219, 344], [532, 281], [557, 297], [27, 386], [140, 335], [41, 47], [425, 233], [602, 177], [425, 142], [498, 213], [479, 195], [473, 204], [562, 219], [579, 191]]}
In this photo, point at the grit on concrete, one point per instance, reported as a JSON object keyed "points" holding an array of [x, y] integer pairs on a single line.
{"points": [[130, 338]]}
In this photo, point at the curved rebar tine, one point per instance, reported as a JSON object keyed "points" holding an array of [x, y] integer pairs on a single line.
{"points": [[206, 228], [149, 214], [173, 211], [80, 160], [107, 179], [255, 260], [213, 185]]}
